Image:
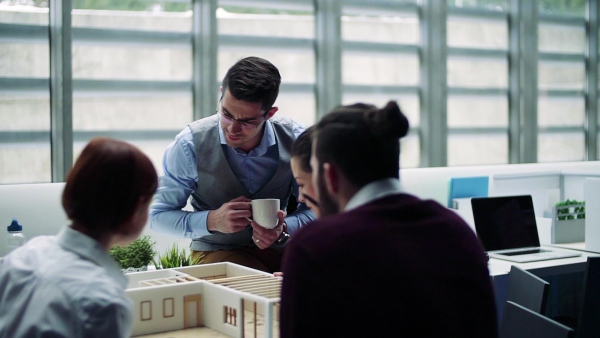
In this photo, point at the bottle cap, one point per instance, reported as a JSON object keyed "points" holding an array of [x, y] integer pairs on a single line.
{"points": [[14, 226]]}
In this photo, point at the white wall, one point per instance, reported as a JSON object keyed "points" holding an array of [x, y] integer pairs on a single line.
{"points": [[432, 183], [38, 208]]}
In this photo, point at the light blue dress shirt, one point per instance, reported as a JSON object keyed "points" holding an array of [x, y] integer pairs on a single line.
{"points": [[253, 169], [63, 286]]}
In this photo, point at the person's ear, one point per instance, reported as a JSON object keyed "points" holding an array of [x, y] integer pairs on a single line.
{"points": [[271, 112], [221, 90], [331, 177]]}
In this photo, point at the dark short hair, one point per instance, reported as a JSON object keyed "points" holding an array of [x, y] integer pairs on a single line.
{"points": [[253, 79], [302, 148], [362, 140], [107, 182]]}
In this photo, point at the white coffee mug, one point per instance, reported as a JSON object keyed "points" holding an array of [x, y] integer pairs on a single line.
{"points": [[264, 212]]}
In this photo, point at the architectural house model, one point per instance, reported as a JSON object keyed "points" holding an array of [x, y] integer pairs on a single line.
{"points": [[230, 298]]}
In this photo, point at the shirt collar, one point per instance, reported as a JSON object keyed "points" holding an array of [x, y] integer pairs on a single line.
{"points": [[373, 191], [267, 139], [91, 250]]}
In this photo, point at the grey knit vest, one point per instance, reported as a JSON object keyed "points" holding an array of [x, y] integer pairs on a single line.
{"points": [[217, 184]]}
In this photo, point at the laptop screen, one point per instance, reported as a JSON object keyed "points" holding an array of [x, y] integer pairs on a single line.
{"points": [[505, 222]]}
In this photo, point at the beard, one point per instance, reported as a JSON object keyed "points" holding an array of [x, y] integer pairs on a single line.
{"points": [[327, 205]]}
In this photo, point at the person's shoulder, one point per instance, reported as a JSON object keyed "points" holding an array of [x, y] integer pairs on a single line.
{"points": [[202, 124], [84, 280], [33, 254], [98, 301], [407, 200], [284, 120], [75, 270], [44, 242], [63, 280], [286, 123], [410, 208], [318, 229]]}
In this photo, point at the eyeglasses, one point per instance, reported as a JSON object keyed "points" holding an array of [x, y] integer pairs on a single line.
{"points": [[228, 119]]}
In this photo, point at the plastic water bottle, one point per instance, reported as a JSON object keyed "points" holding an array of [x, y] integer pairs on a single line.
{"points": [[14, 236]]}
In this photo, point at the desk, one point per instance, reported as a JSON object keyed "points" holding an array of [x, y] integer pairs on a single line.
{"points": [[565, 276], [579, 246], [547, 267]]}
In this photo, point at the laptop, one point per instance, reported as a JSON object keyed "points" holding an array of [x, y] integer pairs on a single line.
{"points": [[507, 228]]}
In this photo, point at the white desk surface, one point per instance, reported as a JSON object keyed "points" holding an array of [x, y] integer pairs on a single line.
{"points": [[548, 267], [580, 246]]}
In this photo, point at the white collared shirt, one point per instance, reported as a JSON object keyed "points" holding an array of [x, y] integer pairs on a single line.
{"points": [[373, 191], [63, 286]]}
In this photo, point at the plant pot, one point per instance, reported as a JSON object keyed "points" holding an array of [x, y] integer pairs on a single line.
{"points": [[128, 270], [567, 230]]}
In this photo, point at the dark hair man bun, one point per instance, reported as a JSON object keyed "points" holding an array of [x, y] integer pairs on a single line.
{"points": [[362, 140], [388, 121]]}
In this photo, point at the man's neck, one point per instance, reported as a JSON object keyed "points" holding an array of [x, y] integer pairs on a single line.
{"points": [[347, 191]]}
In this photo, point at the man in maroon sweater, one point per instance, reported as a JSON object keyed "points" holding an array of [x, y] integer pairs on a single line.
{"points": [[380, 262]]}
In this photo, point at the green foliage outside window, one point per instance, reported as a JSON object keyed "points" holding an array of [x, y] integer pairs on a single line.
{"points": [[561, 7], [569, 7], [133, 5]]}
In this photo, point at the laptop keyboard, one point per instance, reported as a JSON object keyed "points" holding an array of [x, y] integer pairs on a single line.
{"points": [[524, 252]]}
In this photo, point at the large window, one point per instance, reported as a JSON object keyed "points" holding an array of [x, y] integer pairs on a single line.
{"points": [[481, 81], [132, 72], [24, 95], [282, 33], [380, 62], [561, 81], [477, 78]]}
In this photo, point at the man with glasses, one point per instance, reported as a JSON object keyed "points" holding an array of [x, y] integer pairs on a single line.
{"points": [[223, 162]]}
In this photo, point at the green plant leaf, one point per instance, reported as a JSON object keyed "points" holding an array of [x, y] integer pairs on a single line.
{"points": [[136, 255], [577, 211], [175, 258]]}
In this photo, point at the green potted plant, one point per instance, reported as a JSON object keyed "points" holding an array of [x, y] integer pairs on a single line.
{"points": [[136, 256], [175, 258], [568, 222], [570, 209]]}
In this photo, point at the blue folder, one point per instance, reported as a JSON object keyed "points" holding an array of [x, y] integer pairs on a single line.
{"points": [[462, 187]]}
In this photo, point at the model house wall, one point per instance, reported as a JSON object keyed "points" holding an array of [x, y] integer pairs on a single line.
{"points": [[232, 299]]}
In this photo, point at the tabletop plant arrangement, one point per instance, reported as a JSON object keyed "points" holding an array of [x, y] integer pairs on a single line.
{"points": [[175, 258], [568, 222], [570, 209], [136, 256]]}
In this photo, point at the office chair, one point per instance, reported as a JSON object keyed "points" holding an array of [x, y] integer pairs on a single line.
{"points": [[528, 290], [588, 323], [520, 322]]}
